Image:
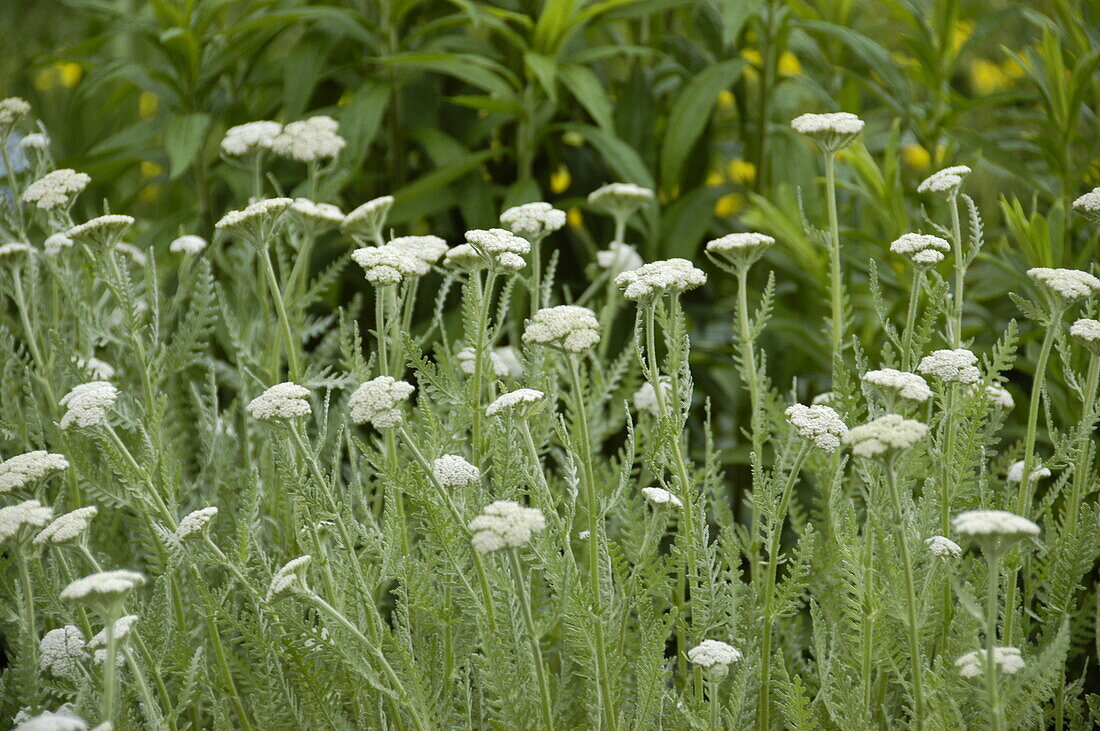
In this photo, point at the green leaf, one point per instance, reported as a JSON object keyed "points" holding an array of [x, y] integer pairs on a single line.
{"points": [[545, 70], [361, 118], [183, 139], [735, 13], [583, 83]]}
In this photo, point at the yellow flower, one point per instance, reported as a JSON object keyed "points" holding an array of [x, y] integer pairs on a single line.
{"points": [[573, 139], [725, 99], [147, 104], [728, 205], [715, 177], [560, 179], [150, 169], [741, 171], [987, 77], [69, 72], [752, 55], [789, 65], [575, 217], [963, 29], [1013, 69], [345, 98], [916, 156]]}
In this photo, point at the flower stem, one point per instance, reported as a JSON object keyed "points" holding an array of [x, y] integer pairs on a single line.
{"points": [[536, 650], [280, 308], [960, 275], [836, 287], [911, 319], [752, 383], [992, 557]]}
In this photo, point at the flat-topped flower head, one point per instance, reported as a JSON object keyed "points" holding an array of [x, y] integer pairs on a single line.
{"points": [[533, 220], [906, 385], [924, 250], [739, 250], [317, 216], [87, 404], [257, 222], [1066, 285], [620, 200], [464, 258], [92, 365], [428, 249], [368, 219], [104, 588], [1016, 472], [645, 398], [290, 578], [16, 520], [23, 469], [819, 424], [467, 362], [61, 651], [826, 397], [121, 628], [55, 243], [833, 131], [943, 547], [986, 524], [1000, 397], [523, 402], [885, 435], [101, 231], [499, 248], [68, 527], [188, 244], [16, 251], [196, 523], [951, 366], [388, 265], [661, 497], [1087, 332], [35, 141], [1005, 659], [136, 255], [310, 140], [945, 182], [670, 276], [1089, 204], [56, 189], [619, 257], [379, 402], [63, 719], [715, 657], [453, 471], [505, 524], [282, 402], [565, 327], [13, 109], [251, 137]]}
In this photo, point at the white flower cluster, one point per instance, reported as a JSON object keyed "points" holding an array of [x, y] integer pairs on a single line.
{"points": [[121, 628], [1068, 284], [321, 215], [428, 249], [195, 522], [660, 497], [102, 230], [368, 219], [833, 130], [27, 514], [1016, 472], [453, 471], [378, 401], [944, 182], [645, 398], [87, 404], [34, 141], [250, 137], [291, 577], [188, 244], [101, 369], [951, 366], [15, 248], [885, 434], [257, 220], [61, 651], [921, 249], [104, 586], [1089, 203], [136, 255], [943, 547], [1007, 660], [505, 524], [522, 400], [309, 140], [55, 243], [568, 327], [499, 248], [533, 220], [818, 423], [67, 527], [1087, 332], [63, 719], [18, 471], [992, 524], [56, 189], [620, 200], [281, 402], [740, 249], [670, 276], [999, 396], [619, 257], [386, 265], [503, 361], [13, 108], [907, 385], [715, 657]]}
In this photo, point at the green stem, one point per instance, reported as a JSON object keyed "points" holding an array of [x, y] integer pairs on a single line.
{"points": [[480, 356], [960, 275], [992, 580], [911, 319], [836, 287], [109, 669], [536, 274], [748, 356], [536, 650], [280, 308], [868, 632], [28, 597], [152, 713]]}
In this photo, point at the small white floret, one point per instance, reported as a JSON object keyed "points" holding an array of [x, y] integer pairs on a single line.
{"points": [[943, 547], [67, 527], [23, 469], [714, 656]]}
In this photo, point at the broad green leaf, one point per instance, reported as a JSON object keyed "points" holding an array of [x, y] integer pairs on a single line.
{"points": [[546, 71], [183, 139], [583, 83]]}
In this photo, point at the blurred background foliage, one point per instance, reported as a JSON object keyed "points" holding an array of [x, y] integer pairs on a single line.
{"points": [[460, 108]]}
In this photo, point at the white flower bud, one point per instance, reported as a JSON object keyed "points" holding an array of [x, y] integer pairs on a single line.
{"points": [[943, 547], [196, 523], [945, 182], [1006, 659], [715, 657], [660, 497], [250, 137], [523, 401], [68, 527], [951, 366], [906, 385], [833, 130], [56, 189], [993, 524], [533, 220], [309, 140], [291, 577], [61, 652], [1068, 285], [619, 257], [27, 514]]}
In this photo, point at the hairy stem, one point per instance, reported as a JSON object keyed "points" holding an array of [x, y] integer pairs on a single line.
{"points": [[533, 637]]}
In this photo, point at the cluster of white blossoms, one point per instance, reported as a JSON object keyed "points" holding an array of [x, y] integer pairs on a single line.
{"points": [[35, 141], [568, 327], [1087, 332], [291, 577], [17, 248], [833, 130], [619, 257], [645, 398], [943, 547], [369, 218], [196, 522], [379, 402], [120, 628], [188, 244], [67, 527], [951, 366], [1007, 660], [56, 189], [320, 215], [27, 514], [715, 657], [533, 220], [1016, 472], [620, 200], [1089, 204], [103, 586], [55, 243], [1069, 285], [13, 109], [819, 424], [136, 255], [102, 231], [670, 276], [499, 248], [945, 182], [993, 524], [101, 369], [522, 400], [388, 265], [63, 719], [999, 396], [309, 140], [907, 385], [451, 470], [921, 249], [503, 360], [281, 402], [428, 249], [660, 497], [885, 434], [505, 524], [256, 221], [251, 137], [22, 469], [61, 651], [87, 404], [739, 249]]}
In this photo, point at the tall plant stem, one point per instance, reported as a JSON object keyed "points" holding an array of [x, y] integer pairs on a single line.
{"points": [[992, 557], [836, 291], [536, 465], [28, 601], [911, 319], [381, 331], [480, 356], [536, 650], [867, 634], [960, 275], [752, 384], [280, 308], [109, 669], [535, 285]]}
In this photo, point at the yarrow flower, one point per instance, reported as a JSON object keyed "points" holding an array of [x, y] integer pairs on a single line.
{"points": [[250, 137], [63, 719], [1087, 332], [22, 469], [659, 496], [907, 385], [951, 366], [56, 189], [999, 396], [715, 657], [943, 547], [12, 109], [980, 524], [453, 471], [387, 265], [379, 402], [833, 131], [27, 514], [16, 248], [645, 398], [921, 249], [319, 215], [281, 402], [884, 435], [309, 140], [619, 257], [68, 527], [34, 141], [567, 327], [818, 423], [256, 222], [104, 587], [523, 400], [533, 220], [136, 255], [505, 524], [620, 200], [1016, 472], [739, 250], [671, 276], [467, 362], [1006, 659], [103, 231], [291, 577], [1089, 204], [1068, 285], [55, 243], [368, 219], [61, 651], [87, 404], [945, 182], [428, 249], [121, 628], [196, 522], [499, 248], [188, 244]]}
